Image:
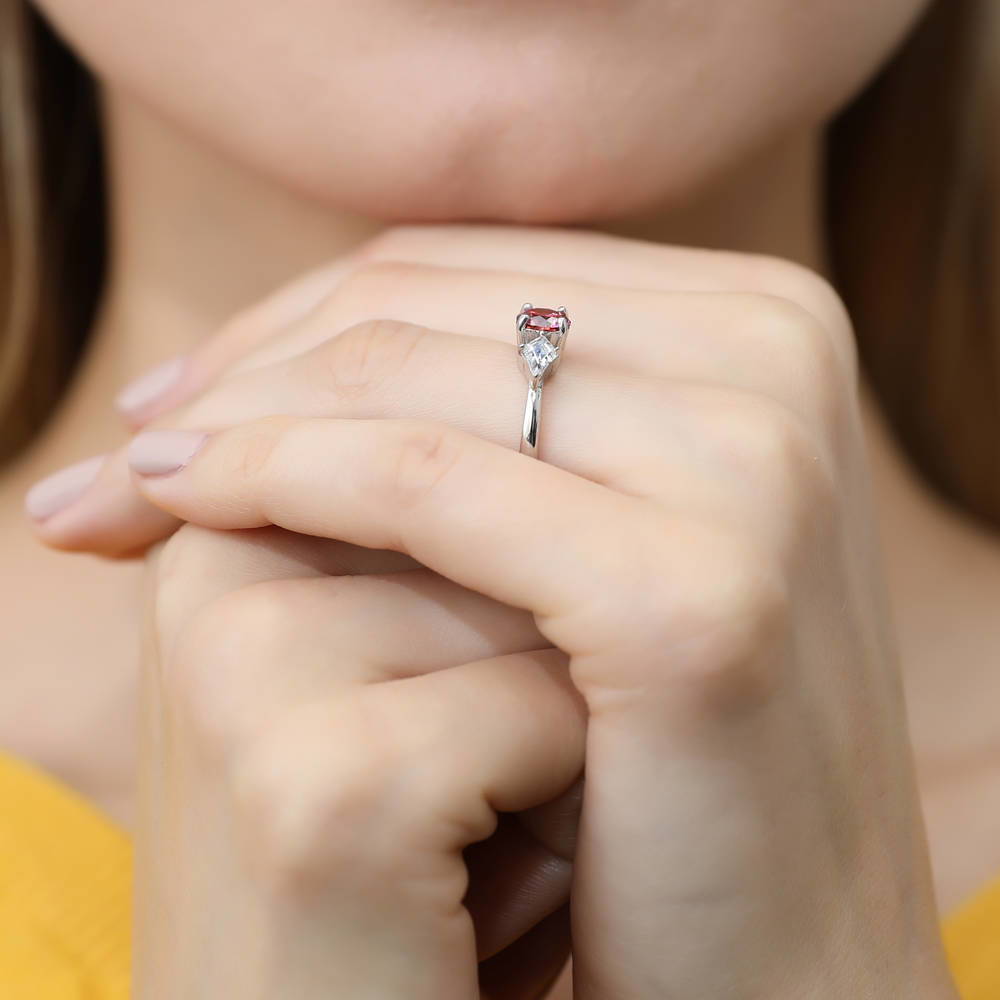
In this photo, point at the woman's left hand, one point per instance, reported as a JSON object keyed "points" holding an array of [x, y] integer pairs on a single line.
{"points": [[698, 541]]}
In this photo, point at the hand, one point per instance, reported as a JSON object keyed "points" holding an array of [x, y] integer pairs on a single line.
{"points": [[408, 273], [320, 747], [698, 544], [750, 826]]}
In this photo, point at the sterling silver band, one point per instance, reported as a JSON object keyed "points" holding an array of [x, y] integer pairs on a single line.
{"points": [[529, 429], [541, 334]]}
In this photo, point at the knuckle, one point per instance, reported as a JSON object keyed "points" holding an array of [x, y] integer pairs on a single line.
{"points": [[814, 359], [179, 560], [418, 462], [373, 281], [780, 458], [445, 803], [813, 292], [259, 443], [313, 794], [779, 445], [170, 558], [708, 612], [214, 678], [367, 355], [719, 626], [175, 554]]}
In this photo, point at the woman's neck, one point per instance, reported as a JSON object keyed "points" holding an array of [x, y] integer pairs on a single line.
{"points": [[195, 238]]}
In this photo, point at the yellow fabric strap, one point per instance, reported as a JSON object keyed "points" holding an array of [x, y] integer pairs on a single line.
{"points": [[65, 875]]}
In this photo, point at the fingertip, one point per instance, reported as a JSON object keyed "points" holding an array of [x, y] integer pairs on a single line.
{"points": [[106, 517], [62, 489], [152, 392]]}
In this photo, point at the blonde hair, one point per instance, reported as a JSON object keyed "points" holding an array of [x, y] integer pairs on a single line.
{"points": [[910, 220]]}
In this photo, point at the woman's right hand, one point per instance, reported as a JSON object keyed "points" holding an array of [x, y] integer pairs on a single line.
{"points": [[320, 748]]}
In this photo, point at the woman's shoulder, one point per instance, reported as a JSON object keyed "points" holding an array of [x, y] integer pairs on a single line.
{"points": [[65, 891]]}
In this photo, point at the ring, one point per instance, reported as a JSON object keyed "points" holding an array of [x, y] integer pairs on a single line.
{"points": [[541, 334]]}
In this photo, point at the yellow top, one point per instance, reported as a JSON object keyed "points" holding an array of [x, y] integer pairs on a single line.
{"points": [[64, 893], [65, 899]]}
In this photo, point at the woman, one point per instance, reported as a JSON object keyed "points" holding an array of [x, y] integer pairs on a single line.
{"points": [[426, 703]]}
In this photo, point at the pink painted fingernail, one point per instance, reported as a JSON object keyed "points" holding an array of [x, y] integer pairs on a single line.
{"points": [[158, 453], [56, 492], [146, 389]]}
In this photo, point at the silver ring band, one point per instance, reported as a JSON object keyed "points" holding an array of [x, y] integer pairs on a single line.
{"points": [[541, 334]]}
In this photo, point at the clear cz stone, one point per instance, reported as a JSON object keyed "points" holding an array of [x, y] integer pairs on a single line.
{"points": [[539, 354]]}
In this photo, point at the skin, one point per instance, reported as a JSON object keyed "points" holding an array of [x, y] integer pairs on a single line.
{"points": [[376, 82], [184, 136], [713, 695]]}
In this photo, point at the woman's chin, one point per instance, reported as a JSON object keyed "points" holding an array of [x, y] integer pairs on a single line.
{"points": [[553, 188]]}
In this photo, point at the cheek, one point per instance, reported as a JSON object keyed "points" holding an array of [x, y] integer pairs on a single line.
{"points": [[427, 111]]}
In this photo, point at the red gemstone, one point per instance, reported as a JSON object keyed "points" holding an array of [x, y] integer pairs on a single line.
{"points": [[544, 320]]}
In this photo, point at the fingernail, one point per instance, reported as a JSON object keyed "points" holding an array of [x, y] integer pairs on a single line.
{"points": [[158, 453], [56, 492], [146, 389]]}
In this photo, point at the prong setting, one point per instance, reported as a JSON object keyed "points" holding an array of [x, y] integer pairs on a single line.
{"points": [[541, 333]]}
